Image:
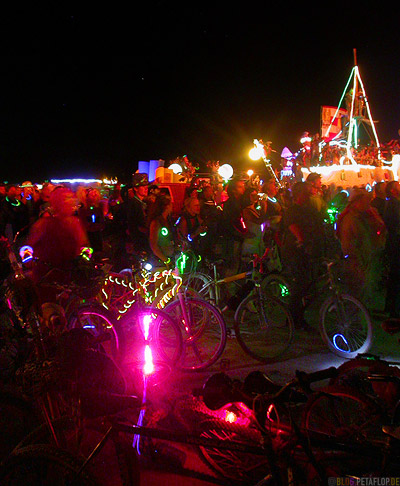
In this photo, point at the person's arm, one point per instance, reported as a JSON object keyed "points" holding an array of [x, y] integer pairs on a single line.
{"points": [[297, 233]]}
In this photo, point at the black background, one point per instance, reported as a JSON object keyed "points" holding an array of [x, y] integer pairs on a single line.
{"points": [[90, 92]]}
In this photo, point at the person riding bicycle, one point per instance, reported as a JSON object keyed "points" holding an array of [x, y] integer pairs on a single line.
{"points": [[56, 241]]}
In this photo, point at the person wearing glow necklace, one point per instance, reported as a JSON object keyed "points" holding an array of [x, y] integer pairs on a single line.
{"points": [[14, 214], [274, 210], [191, 227], [161, 240], [254, 216]]}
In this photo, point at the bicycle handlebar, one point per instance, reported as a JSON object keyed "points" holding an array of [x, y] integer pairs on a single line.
{"points": [[308, 378]]}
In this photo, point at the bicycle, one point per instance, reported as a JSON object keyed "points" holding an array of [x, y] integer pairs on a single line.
{"points": [[263, 326], [286, 455], [201, 325], [52, 358], [345, 324], [76, 304]]}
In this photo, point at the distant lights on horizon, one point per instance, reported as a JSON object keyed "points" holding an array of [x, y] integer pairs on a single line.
{"points": [[84, 181]]}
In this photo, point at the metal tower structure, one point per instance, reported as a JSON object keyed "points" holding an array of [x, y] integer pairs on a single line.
{"points": [[359, 113]]}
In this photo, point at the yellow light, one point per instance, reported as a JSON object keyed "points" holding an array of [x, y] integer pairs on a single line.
{"points": [[225, 171], [250, 172], [230, 417], [176, 168], [255, 153]]}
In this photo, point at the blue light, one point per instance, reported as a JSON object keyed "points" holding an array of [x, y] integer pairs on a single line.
{"points": [[335, 339]]}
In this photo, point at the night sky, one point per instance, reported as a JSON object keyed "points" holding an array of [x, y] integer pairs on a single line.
{"points": [[90, 93]]}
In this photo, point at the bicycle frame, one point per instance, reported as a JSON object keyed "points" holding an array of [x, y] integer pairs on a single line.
{"points": [[295, 439]]}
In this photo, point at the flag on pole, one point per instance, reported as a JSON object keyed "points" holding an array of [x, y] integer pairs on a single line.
{"points": [[331, 121]]}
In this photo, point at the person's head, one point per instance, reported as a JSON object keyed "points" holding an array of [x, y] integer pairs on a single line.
{"points": [[27, 189], [63, 202], [161, 207], [236, 188], [140, 185], [380, 189], [270, 187], [192, 206], [207, 192], [393, 189], [315, 182], [360, 201], [93, 196], [250, 196], [300, 192], [11, 192], [45, 192]]}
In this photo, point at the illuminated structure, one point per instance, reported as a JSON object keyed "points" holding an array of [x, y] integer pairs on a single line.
{"points": [[358, 113], [349, 172]]}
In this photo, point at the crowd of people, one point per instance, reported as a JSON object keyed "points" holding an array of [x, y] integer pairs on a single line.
{"points": [[247, 217]]}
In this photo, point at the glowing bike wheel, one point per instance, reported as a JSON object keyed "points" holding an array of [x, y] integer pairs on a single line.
{"points": [[345, 326]]}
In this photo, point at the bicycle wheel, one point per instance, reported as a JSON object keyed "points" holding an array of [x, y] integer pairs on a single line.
{"points": [[343, 413], [239, 466], [263, 327], [278, 286], [107, 331], [43, 465], [345, 326], [204, 332], [164, 333], [199, 285], [17, 418]]}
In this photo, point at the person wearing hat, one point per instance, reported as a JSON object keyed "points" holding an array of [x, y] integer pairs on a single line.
{"points": [[316, 199], [136, 213]]}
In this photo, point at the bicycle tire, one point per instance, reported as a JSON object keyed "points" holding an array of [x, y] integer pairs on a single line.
{"points": [[204, 338], [343, 413], [349, 338], [199, 285], [165, 337], [277, 285], [18, 417], [103, 326], [42, 465], [242, 467], [264, 327]]}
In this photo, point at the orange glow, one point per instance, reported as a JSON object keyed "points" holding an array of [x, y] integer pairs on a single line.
{"points": [[230, 417]]}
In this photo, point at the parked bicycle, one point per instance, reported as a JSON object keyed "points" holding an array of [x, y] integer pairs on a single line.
{"points": [[262, 324], [265, 430], [345, 324]]}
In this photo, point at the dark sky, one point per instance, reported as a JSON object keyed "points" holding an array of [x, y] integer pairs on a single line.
{"points": [[92, 92]]}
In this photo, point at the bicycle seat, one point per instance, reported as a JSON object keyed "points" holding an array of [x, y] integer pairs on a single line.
{"points": [[217, 262]]}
